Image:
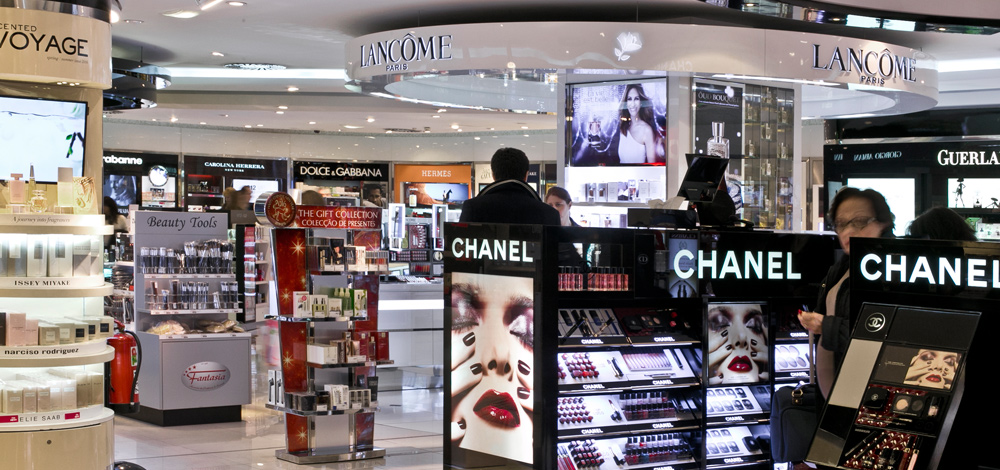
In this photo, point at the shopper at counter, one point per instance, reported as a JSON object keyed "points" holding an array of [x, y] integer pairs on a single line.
{"points": [[230, 199], [114, 218], [941, 223], [560, 200], [509, 200], [855, 213]]}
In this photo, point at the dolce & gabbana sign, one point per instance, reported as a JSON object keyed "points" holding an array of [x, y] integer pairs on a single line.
{"points": [[873, 67], [341, 171], [397, 54]]}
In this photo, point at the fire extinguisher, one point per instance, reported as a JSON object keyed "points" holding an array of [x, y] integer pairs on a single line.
{"points": [[122, 373]]}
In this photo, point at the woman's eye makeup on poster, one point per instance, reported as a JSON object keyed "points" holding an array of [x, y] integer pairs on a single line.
{"points": [[466, 307], [719, 318], [519, 318]]}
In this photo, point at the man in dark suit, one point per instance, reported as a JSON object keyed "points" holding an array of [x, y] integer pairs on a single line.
{"points": [[509, 200]]}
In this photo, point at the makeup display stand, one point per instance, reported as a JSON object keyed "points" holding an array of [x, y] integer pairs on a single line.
{"points": [[79, 434], [620, 352], [910, 393], [201, 373], [318, 432]]}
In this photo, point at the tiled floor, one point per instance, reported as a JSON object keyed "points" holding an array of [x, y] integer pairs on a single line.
{"points": [[408, 426]]}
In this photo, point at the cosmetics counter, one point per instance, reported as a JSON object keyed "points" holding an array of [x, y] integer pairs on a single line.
{"points": [[663, 348], [53, 344], [196, 356], [908, 395]]}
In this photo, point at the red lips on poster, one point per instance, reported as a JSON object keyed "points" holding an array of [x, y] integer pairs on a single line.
{"points": [[357, 218]]}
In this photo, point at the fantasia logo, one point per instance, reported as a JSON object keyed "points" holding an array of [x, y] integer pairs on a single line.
{"points": [[627, 43], [875, 322], [205, 376]]}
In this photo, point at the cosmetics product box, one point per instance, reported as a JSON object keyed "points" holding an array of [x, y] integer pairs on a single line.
{"points": [[81, 255], [12, 399], [48, 334], [363, 338], [14, 329], [322, 401], [360, 303], [107, 327], [38, 256], [271, 386], [373, 389], [30, 337], [92, 323], [643, 194], [356, 359], [17, 255], [3, 329], [317, 353], [43, 398], [381, 345], [602, 192], [69, 392], [66, 331], [29, 396], [339, 398], [301, 305], [318, 305], [342, 347], [334, 307], [55, 394], [3, 256], [60, 255], [80, 331], [96, 388], [84, 395], [590, 189], [96, 256]]}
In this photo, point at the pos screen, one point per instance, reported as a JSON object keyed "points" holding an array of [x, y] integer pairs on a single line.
{"points": [[702, 178]]}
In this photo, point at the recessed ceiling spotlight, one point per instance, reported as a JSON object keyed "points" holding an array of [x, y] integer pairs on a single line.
{"points": [[134, 21], [174, 119], [218, 54], [942, 29], [459, 130], [248, 126], [388, 131], [348, 126], [154, 119], [237, 4], [442, 110], [260, 125], [279, 112], [312, 123], [224, 115], [282, 107], [370, 119], [203, 123], [293, 88], [182, 14], [253, 66], [435, 116], [749, 4], [454, 126], [524, 127]]}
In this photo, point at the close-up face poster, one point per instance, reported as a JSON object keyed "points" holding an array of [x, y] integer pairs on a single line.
{"points": [[492, 355], [737, 343]]}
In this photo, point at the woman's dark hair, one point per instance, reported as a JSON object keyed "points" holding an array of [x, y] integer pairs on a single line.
{"points": [[882, 212], [559, 193], [645, 109], [941, 223], [110, 210]]}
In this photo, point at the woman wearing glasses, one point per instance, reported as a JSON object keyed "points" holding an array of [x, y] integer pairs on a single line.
{"points": [[854, 213]]}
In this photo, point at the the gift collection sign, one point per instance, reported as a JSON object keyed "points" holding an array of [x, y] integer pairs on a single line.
{"points": [[355, 218]]}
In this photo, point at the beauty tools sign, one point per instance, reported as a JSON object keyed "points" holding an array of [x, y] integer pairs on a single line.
{"points": [[492, 291]]}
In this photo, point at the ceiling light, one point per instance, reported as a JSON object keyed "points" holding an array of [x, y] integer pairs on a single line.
{"points": [[260, 125], [248, 126], [293, 88], [218, 54], [388, 131], [182, 14], [208, 4], [293, 74], [454, 126], [253, 66], [279, 112], [442, 110], [459, 130], [524, 127], [282, 107], [312, 123], [203, 123], [224, 115], [435, 116], [348, 126], [236, 4], [370, 119], [115, 16], [132, 21], [174, 119]]}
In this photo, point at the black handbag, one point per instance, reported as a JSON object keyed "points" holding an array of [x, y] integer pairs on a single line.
{"points": [[794, 416]]}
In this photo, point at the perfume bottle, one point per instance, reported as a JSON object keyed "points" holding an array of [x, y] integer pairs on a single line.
{"points": [[594, 133], [718, 145], [16, 189], [751, 149], [38, 204], [31, 179]]}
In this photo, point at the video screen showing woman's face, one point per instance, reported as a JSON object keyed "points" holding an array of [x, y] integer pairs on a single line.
{"points": [[737, 344], [932, 369], [492, 353]]}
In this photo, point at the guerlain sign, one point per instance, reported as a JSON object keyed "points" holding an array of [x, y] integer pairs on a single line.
{"points": [[397, 54], [872, 67]]}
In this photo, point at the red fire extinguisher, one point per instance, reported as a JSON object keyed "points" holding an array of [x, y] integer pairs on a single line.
{"points": [[122, 372]]}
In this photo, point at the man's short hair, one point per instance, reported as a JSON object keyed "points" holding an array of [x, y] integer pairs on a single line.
{"points": [[509, 164]]}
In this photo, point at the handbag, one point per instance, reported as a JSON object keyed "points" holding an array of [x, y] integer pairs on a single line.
{"points": [[794, 416]]}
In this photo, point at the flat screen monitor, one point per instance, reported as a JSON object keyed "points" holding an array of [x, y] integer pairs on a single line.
{"points": [[45, 133], [702, 178], [429, 194], [900, 194], [974, 193], [122, 189], [617, 123]]}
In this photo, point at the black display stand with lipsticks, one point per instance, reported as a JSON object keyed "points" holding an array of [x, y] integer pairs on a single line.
{"points": [[614, 374], [906, 396]]}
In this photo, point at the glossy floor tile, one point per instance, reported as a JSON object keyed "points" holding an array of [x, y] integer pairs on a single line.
{"points": [[408, 426]]}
